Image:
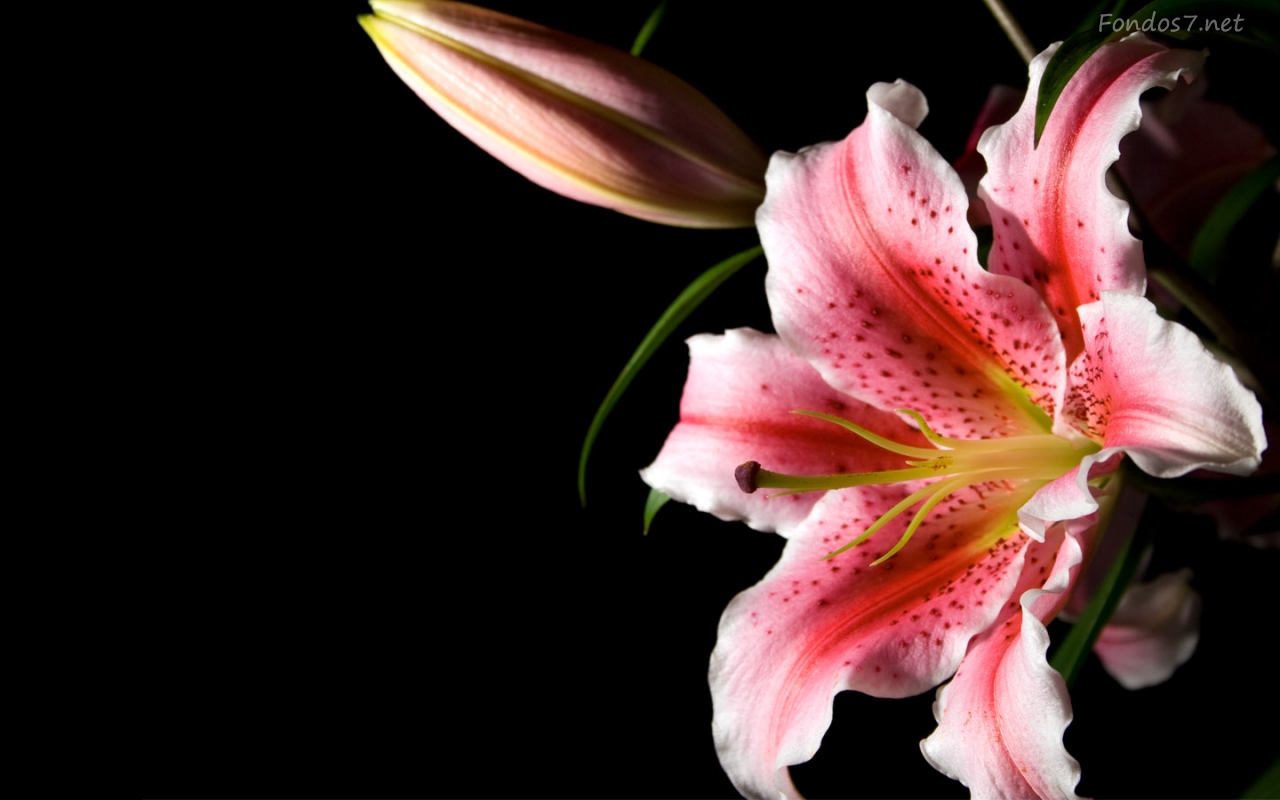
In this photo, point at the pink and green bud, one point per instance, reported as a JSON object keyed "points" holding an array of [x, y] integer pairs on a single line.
{"points": [[587, 121]]}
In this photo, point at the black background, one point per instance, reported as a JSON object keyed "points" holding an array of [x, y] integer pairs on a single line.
{"points": [[383, 583]]}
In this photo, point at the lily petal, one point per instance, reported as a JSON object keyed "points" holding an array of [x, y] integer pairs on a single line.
{"points": [[737, 405], [1001, 719], [1153, 632], [873, 277], [1147, 386], [1066, 498], [1057, 227], [815, 627], [581, 119]]}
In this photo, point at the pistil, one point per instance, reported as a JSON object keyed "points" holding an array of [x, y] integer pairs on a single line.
{"points": [[957, 462]]}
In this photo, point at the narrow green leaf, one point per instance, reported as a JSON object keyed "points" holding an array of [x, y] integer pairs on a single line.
{"points": [[650, 25], [1206, 250], [1267, 787], [1187, 20], [655, 501], [1061, 68], [1076, 646], [689, 299]]}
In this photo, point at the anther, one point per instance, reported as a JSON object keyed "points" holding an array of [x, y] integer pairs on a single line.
{"points": [[746, 474]]}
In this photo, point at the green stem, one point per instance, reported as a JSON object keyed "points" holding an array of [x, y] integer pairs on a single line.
{"points": [[1011, 29], [1071, 654]]}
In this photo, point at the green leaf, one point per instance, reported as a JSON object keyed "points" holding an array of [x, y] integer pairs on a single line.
{"points": [[1061, 69], [1076, 646], [689, 299], [1257, 22], [1206, 250], [655, 501], [650, 25], [1268, 786]]}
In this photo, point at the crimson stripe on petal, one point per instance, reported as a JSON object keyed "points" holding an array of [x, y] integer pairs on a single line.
{"points": [[1057, 226], [1001, 719], [814, 627]]}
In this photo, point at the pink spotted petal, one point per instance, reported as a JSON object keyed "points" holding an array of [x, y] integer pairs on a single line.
{"points": [[873, 278], [1153, 631], [1001, 719], [1148, 387], [737, 405], [815, 627], [1057, 226]]}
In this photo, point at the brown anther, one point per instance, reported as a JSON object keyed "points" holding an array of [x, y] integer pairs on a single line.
{"points": [[745, 475]]}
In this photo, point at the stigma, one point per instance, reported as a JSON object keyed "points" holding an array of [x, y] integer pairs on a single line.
{"points": [[951, 465]]}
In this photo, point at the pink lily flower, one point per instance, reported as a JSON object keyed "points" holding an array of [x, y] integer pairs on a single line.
{"points": [[587, 121], [955, 464], [1153, 631]]}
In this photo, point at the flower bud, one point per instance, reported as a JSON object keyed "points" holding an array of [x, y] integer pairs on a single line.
{"points": [[581, 119]]}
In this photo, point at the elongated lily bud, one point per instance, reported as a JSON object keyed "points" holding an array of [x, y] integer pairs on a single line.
{"points": [[584, 120]]}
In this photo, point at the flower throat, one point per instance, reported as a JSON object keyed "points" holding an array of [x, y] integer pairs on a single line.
{"points": [[958, 462]]}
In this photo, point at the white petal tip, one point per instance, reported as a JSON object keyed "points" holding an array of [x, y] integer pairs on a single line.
{"points": [[900, 99]]}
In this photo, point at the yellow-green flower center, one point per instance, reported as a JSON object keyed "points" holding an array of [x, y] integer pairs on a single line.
{"points": [[957, 463]]}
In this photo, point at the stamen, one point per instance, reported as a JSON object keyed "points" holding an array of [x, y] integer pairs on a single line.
{"points": [[1029, 442], [936, 492], [885, 518], [960, 462], [943, 493], [879, 441], [750, 476]]}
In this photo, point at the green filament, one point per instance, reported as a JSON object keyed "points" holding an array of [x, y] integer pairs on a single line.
{"points": [[958, 462]]}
